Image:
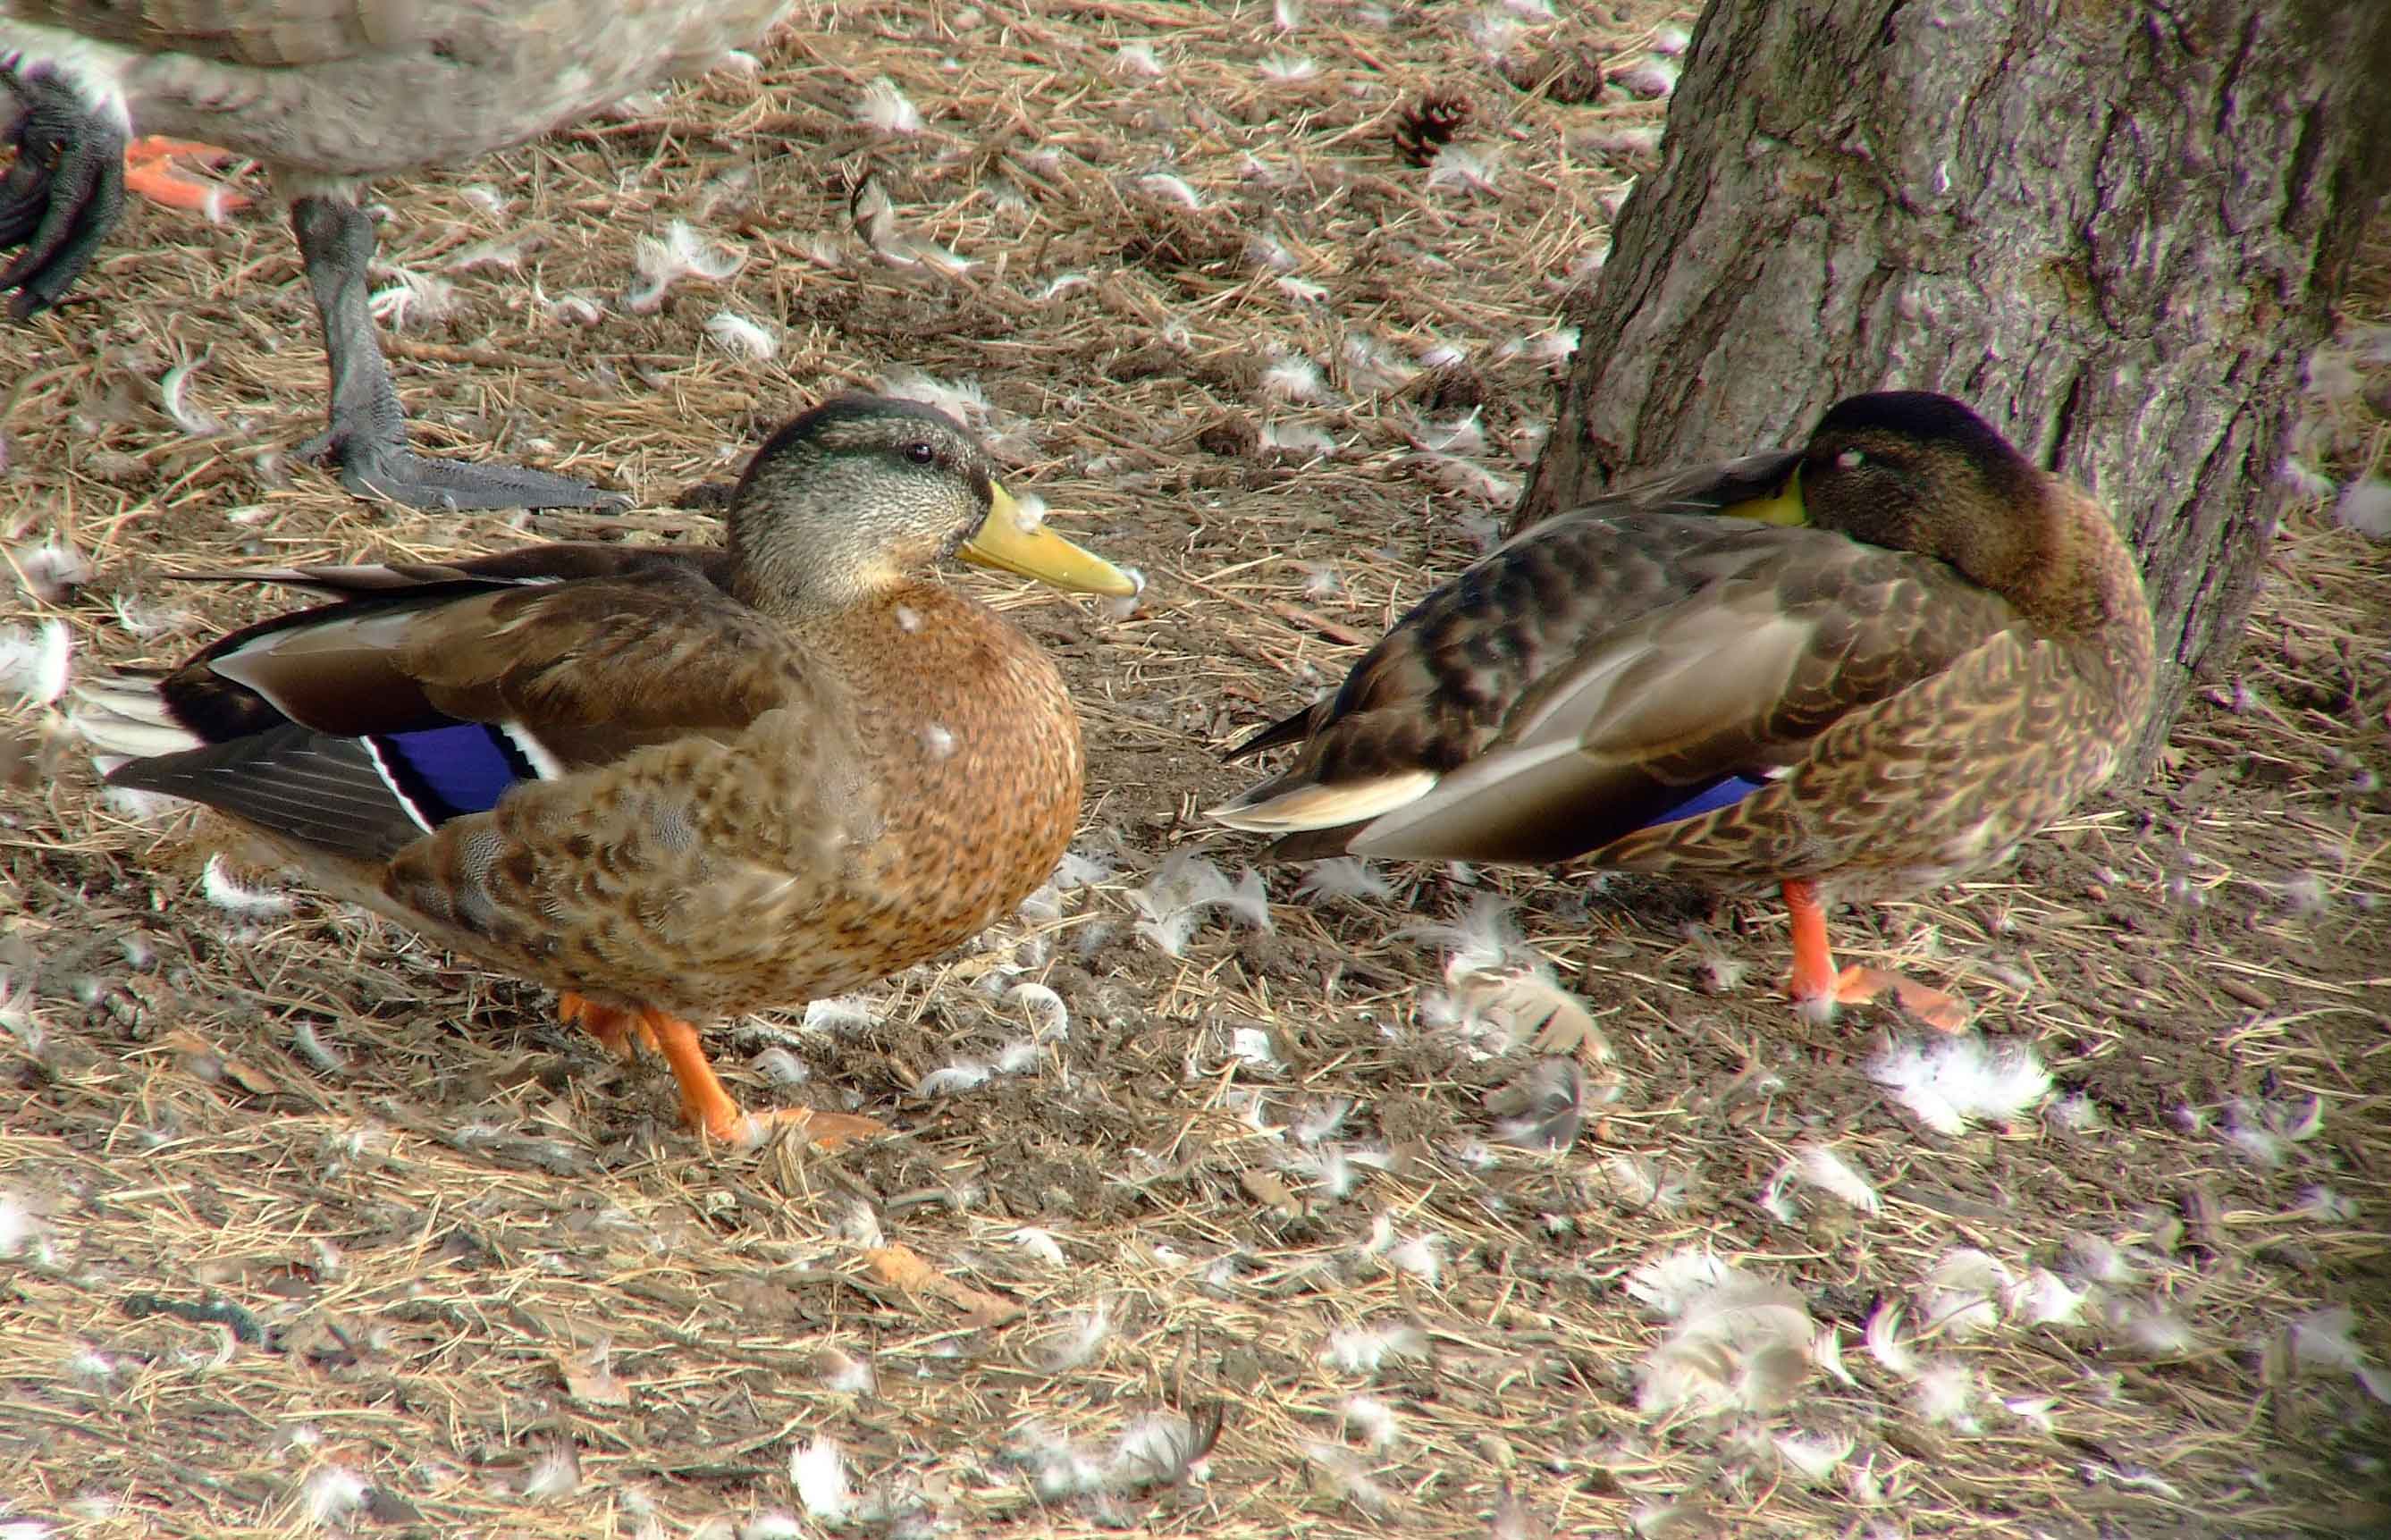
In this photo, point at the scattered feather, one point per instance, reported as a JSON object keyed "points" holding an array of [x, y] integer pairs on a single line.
{"points": [[2033, 1409], [885, 110], [504, 255], [2304, 480], [2044, 1299], [963, 400], [1372, 367], [1885, 1344], [1171, 189], [1342, 878], [222, 889], [1946, 1393], [1185, 887], [1159, 1448], [556, 1474], [2151, 1328], [331, 1495], [1039, 1243], [1300, 438], [1951, 1082], [781, 1066], [1078, 1338], [1826, 1351], [840, 1014], [2322, 1202], [569, 309], [1820, 1167], [817, 1469], [34, 663], [743, 336], [1345, 1475], [1138, 58], [1293, 377], [1651, 79], [1543, 1106], [1640, 1183], [681, 253], [2365, 507], [1367, 1349], [173, 397], [1288, 69], [1499, 987], [1962, 1295], [1374, 1419], [1466, 168], [1814, 1458], [2264, 1131], [1471, 479], [415, 300], [1668, 1284], [844, 1372], [1465, 434], [1740, 1347], [954, 1078]]}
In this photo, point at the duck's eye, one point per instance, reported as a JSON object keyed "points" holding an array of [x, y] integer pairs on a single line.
{"points": [[922, 453], [1849, 460]]}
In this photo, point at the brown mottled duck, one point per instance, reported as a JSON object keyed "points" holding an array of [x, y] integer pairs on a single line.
{"points": [[327, 94], [671, 784], [1913, 649]]}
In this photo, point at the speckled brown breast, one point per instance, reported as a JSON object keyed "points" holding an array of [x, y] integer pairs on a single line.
{"points": [[924, 782]]}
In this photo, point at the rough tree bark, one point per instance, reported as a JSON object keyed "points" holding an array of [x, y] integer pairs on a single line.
{"points": [[2114, 227]]}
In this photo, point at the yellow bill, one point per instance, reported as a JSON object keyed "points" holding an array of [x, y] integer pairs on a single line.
{"points": [[1008, 542], [1782, 507]]}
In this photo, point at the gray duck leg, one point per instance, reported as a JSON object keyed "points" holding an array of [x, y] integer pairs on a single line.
{"points": [[366, 436]]}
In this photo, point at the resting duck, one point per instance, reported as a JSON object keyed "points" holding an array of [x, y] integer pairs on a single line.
{"points": [[327, 96], [1912, 650], [671, 784]]}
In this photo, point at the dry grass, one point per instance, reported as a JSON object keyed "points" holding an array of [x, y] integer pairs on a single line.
{"points": [[303, 1224]]}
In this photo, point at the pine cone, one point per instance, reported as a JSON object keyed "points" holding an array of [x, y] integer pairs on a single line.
{"points": [[1425, 126]]}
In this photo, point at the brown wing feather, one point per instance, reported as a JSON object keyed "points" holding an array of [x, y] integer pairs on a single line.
{"points": [[558, 638], [1573, 686]]}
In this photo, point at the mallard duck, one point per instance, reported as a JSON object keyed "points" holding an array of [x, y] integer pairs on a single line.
{"points": [[671, 784], [1911, 650], [327, 96]]}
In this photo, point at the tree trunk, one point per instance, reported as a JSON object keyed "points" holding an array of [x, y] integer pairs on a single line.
{"points": [[2115, 228]]}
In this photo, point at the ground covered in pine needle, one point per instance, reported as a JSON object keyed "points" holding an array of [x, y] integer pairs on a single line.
{"points": [[1304, 1202]]}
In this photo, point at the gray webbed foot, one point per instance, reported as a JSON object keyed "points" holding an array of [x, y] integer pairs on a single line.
{"points": [[66, 190]]}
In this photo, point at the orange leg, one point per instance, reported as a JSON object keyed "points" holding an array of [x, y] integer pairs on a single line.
{"points": [[609, 1024], [705, 1105], [1817, 988], [149, 171]]}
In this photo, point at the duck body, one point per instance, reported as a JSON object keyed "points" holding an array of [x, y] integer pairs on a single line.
{"points": [[1950, 648], [327, 96], [361, 88], [671, 784]]}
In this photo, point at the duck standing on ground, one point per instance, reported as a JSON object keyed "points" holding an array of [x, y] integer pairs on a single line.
{"points": [[1913, 649], [327, 95], [668, 783]]}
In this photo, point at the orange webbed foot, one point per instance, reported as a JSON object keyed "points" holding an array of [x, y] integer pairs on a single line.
{"points": [[149, 171], [611, 1025], [1818, 987], [705, 1105]]}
